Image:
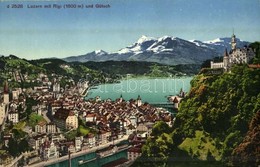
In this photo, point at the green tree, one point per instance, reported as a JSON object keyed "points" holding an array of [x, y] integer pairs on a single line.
{"points": [[159, 128], [12, 147], [256, 47]]}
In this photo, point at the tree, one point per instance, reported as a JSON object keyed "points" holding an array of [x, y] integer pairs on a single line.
{"points": [[12, 147], [256, 47], [159, 128], [247, 152]]}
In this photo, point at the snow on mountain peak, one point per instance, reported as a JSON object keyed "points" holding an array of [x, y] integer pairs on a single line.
{"points": [[166, 50], [194, 40], [165, 37], [100, 52], [144, 38], [198, 43], [215, 40], [124, 51], [167, 43], [137, 47]]}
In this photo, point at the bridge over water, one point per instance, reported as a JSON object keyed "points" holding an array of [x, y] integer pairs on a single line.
{"points": [[162, 104]]}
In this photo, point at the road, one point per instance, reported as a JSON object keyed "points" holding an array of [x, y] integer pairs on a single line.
{"points": [[44, 114], [77, 154]]}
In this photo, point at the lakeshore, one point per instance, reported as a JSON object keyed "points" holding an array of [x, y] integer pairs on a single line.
{"points": [[51, 162], [151, 90], [87, 125]]}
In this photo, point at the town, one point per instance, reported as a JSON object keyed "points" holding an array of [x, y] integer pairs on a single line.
{"points": [[46, 117], [50, 121]]}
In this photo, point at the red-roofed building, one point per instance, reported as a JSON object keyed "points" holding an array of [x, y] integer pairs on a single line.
{"points": [[40, 127], [254, 65], [134, 152], [175, 100], [65, 119], [90, 140], [91, 117]]}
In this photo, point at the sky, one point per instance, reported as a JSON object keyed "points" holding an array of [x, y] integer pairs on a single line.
{"points": [[35, 33]]}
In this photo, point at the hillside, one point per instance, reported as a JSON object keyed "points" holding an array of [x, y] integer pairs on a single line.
{"points": [[213, 120], [248, 150], [18, 70], [221, 107], [142, 68], [24, 73]]}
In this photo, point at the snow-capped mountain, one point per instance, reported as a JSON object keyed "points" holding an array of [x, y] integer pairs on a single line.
{"points": [[92, 56], [220, 44], [165, 50], [140, 46], [100, 52]]}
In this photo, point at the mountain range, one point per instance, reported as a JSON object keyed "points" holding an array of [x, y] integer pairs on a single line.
{"points": [[165, 50]]}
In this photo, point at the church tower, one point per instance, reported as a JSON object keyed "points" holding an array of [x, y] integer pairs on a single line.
{"points": [[226, 60], [139, 101], [6, 93], [233, 42], [121, 98]]}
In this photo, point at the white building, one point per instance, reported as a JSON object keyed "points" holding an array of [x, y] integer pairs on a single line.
{"points": [[16, 93], [235, 56], [78, 143], [103, 136], [91, 117], [6, 98], [37, 141], [133, 153], [65, 119], [145, 129], [49, 150], [176, 100], [51, 128], [13, 116], [56, 87], [133, 120], [40, 127], [2, 113], [216, 65], [130, 129], [90, 140]]}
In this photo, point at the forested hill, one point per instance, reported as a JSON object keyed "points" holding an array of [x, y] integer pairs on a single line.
{"points": [[213, 121], [138, 68], [217, 112], [100, 72]]}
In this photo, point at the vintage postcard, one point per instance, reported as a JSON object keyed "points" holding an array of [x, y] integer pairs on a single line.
{"points": [[105, 83]]}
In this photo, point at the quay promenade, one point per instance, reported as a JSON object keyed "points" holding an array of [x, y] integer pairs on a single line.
{"points": [[77, 154]]}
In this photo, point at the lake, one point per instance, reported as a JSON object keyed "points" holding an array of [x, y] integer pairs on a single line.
{"points": [[151, 90]]}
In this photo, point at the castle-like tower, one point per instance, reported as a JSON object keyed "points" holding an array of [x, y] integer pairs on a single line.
{"points": [[226, 60], [233, 42], [235, 56]]}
